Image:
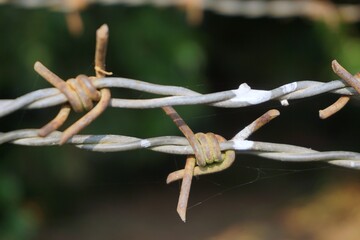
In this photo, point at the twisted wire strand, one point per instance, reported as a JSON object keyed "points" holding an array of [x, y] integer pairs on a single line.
{"points": [[246, 8], [175, 96], [179, 145]]}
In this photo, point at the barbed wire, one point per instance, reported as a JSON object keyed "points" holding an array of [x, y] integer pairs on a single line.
{"points": [[246, 8], [331, 13], [180, 146], [242, 97], [207, 153]]}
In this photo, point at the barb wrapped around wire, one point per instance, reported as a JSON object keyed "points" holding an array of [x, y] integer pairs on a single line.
{"points": [[207, 153]]}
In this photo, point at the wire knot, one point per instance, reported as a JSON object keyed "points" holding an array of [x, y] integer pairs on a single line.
{"points": [[81, 93], [208, 150]]}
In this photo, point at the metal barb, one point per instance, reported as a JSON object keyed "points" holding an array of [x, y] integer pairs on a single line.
{"points": [[345, 75], [102, 35], [229, 157], [353, 81], [188, 133], [334, 108], [190, 162], [185, 187], [80, 92], [206, 146], [57, 122]]}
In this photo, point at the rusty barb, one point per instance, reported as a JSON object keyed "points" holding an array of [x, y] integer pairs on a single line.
{"points": [[206, 152], [207, 157], [79, 91], [353, 81]]}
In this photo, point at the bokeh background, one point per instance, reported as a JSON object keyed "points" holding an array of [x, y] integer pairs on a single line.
{"points": [[67, 193]]}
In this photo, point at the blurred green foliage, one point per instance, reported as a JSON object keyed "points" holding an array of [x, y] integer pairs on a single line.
{"points": [[154, 45]]}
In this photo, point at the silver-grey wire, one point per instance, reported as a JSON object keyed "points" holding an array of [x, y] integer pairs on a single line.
{"points": [[246, 8], [179, 145], [176, 96]]}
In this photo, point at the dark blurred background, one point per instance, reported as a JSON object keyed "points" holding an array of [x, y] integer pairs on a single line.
{"points": [[68, 193]]}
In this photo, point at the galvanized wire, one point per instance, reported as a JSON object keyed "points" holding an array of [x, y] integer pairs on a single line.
{"points": [[242, 97], [180, 145], [246, 8]]}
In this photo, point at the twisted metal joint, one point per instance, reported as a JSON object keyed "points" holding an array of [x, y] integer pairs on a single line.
{"points": [[82, 89], [80, 92], [206, 155], [215, 163], [209, 151]]}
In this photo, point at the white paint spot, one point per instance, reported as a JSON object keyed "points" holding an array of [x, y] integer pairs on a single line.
{"points": [[145, 143], [284, 102], [245, 94], [288, 88], [243, 144], [352, 164]]}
